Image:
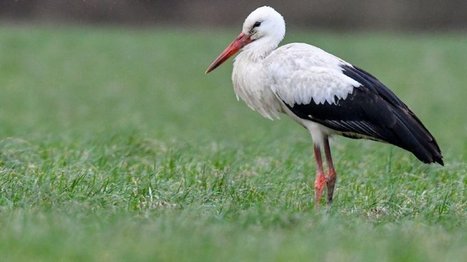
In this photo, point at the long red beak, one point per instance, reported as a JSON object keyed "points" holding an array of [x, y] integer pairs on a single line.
{"points": [[237, 44]]}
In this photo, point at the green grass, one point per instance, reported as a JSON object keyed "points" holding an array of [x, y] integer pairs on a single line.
{"points": [[114, 145]]}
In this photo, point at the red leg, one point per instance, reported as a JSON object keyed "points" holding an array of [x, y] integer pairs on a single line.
{"points": [[332, 176], [320, 179]]}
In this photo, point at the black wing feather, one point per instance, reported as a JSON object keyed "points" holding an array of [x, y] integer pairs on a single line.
{"points": [[373, 111]]}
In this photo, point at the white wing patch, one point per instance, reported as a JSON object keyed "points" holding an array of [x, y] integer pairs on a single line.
{"points": [[303, 73], [315, 83]]}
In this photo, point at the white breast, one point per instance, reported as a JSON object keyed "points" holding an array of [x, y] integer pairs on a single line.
{"points": [[252, 84]]}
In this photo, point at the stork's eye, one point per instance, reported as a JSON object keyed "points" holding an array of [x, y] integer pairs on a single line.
{"points": [[257, 24]]}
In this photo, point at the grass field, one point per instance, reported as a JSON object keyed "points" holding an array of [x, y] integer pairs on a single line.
{"points": [[115, 146]]}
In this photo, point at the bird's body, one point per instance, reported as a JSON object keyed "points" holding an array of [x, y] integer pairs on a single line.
{"points": [[320, 91], [291, 74]]}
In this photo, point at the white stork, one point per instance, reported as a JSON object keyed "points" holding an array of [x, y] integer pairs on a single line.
{"points": [[321, 92]]}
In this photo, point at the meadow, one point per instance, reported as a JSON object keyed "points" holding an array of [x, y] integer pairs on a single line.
{"points": [[115, 146]]}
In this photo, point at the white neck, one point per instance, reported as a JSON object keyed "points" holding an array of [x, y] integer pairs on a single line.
{"points": [[259, 49]]}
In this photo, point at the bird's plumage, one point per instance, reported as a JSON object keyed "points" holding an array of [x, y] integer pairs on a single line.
{"points": [[322, 92]]}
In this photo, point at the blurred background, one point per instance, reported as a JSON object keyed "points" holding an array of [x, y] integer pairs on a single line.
{"points": [[328, 14]]}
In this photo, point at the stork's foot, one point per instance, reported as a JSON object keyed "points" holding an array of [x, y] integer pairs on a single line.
{"points": [[331, 182], [320, 182]]}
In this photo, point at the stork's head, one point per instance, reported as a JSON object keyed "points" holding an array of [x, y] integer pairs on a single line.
{"points": [[264, 23], [262, 31]]}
